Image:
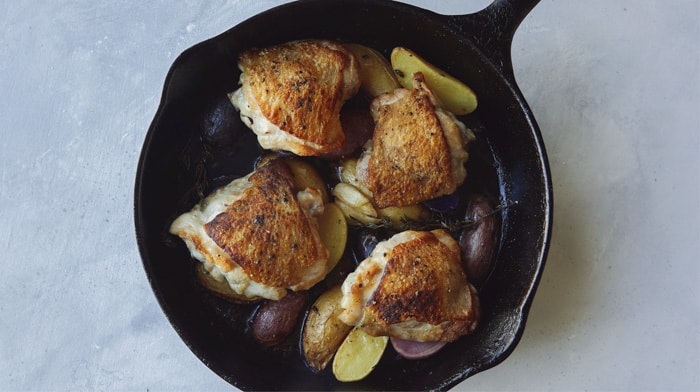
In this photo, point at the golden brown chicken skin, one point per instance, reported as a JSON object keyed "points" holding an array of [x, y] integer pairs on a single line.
{"points": [[269, 235], [292, 93], [412, 287], [417, 151], [258, 235]]}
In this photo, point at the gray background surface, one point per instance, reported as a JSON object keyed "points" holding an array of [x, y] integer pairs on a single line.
{"points": [[613, 84]]}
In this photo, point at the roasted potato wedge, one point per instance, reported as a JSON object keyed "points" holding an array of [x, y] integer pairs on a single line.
{"points": [[323, 332], [358, 355], [306, 176], [454, 95], [220, 288], [376, 74], [397, 215], [334, 233]]}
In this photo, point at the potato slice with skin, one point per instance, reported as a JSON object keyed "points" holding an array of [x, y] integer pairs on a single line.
{"points": [[333, 229], [398, 215], [323, 332], [376, 74], [306, 176], [358, 355], [454, 95]]}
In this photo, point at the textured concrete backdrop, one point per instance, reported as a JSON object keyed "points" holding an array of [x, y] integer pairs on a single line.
{"points": [[613, 84]]}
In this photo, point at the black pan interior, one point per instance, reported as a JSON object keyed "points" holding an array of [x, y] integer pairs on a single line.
{"points": [[196, 141]]}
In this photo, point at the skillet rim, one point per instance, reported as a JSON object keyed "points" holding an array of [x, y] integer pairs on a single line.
{"points": [[138, 206]]}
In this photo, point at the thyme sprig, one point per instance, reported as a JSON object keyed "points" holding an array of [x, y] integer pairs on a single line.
{"points": [[436, 221]]}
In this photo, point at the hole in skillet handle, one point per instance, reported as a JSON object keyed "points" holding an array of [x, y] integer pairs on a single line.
{"points": [[492, 30]]}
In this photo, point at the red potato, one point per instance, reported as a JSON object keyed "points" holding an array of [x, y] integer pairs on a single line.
{"points": [[358, 127], [410, 349], [275, 320], [479, 242]]}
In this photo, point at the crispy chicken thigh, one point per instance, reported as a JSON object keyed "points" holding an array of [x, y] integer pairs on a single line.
{"points": [[291, 95], [412, 287], [417, 151], [258, 234]]}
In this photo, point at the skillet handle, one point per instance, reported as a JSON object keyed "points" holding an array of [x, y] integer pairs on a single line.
{"points": [[492, 30]]}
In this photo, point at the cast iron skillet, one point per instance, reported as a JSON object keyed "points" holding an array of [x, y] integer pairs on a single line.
{"points": [[196, 142]]}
